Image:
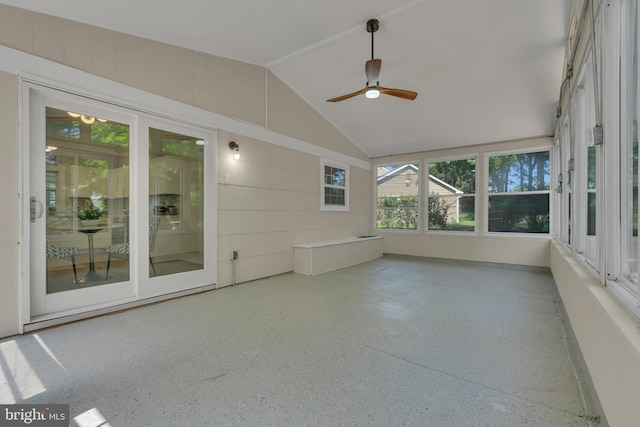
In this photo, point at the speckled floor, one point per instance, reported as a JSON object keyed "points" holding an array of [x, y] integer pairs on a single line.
{"points": [[392, 342]]}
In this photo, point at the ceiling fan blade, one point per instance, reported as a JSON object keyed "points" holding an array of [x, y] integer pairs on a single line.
{"points": [[350, 95], [372, 69], [400, 93]]}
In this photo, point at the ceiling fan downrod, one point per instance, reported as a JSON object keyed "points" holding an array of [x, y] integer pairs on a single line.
{"points": [[372, 27]]}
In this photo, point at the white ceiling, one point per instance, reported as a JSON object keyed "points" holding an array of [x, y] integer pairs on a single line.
{"points": [[485, 70]]}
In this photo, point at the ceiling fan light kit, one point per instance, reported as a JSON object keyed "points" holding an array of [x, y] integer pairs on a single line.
{"points": [[372, 70], [372, 92]]}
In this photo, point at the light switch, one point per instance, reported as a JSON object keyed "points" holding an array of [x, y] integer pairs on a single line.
{"points": [[227, 178]]}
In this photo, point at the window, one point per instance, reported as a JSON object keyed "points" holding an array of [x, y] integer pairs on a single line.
{"points": [[586, 155], [629, 147], [451, 187], [335, 186], [52, 189], [519, 192], [599, 212], [397, 201], [565, 182]]}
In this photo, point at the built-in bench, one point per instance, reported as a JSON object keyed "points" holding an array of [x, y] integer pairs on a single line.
{"points": [[320, 257]]}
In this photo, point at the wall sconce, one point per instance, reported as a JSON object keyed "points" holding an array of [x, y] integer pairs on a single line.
{"points": [[236, 150]]}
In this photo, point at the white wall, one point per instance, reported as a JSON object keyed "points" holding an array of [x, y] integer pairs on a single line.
{"points": [[273, 199], [607, 333], [9, 231]]}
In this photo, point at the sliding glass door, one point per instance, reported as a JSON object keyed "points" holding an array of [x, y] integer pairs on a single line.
{"points": [[117, 205]]}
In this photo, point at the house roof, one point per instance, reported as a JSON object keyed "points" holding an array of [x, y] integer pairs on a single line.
{"points": [[399, 171]]}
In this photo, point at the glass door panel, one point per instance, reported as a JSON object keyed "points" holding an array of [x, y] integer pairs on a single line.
{"points": [[78, 179], [87, 186], [176, 202]]}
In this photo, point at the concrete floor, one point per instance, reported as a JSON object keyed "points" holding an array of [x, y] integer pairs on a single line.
{"points": [[396, 341]]}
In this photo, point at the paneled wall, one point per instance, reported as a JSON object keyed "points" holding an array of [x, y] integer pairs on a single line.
{"points": [[9, 230], [228, 87], [272, 199]]}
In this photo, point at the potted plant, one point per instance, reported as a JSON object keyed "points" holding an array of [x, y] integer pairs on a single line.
{"points": [[91, 214]]}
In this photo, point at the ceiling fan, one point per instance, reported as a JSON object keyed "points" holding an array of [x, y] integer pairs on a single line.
{"points": [[372, 70]]}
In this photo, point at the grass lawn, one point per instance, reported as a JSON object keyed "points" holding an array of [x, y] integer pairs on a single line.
{"points": [[467, 223]]}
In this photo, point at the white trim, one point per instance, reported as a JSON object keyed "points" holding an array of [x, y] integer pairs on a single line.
{"points": [[51, 74], [613, 162], [24, 154], [337, 165], [324, 243], [49, 320], [513, 193], [622, 294], [440, 159], [488, 194], [374, 203], [532, 149], [102, 297], [427, 162], [440, 182], [618, 125]]}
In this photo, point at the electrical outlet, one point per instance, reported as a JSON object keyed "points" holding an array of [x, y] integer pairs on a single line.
{"points": [[235, 254]]}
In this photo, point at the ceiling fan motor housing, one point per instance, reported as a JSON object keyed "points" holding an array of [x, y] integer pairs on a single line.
{"points": [[372, 25]]}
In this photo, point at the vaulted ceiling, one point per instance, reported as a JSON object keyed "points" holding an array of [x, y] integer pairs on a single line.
{"points": [[484, 70]]}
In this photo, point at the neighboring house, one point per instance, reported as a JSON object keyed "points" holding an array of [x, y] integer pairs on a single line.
{"points": [[403, 182]]}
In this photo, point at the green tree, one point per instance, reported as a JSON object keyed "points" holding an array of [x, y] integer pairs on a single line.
{"points": [[459, 173], [499, 167], [519, 172], [438, 210], [397, 212], [110, 133]]}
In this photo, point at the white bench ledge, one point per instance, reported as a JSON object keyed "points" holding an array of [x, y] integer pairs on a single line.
{"points": [[320, 257], [335, 242]]}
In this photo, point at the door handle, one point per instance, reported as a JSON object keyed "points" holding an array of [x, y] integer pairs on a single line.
{"points": [[35, 203]]}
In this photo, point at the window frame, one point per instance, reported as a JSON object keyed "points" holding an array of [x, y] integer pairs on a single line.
{"points": [[565, 210], [419, 223], [323, 186], [586, 248], [425, 177], [616, 109], [487, 194], [625, 120]]}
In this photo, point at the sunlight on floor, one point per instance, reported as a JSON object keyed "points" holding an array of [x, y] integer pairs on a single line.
{"points": [[49, 352], [19, 380], [91, 418]]}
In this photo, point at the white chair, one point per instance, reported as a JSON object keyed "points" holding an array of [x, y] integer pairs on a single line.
{"points": [[54, 252], [123, 248]]}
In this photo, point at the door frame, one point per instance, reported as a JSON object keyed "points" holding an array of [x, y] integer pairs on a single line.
{"points": [[43, 303], [174, 115]]}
